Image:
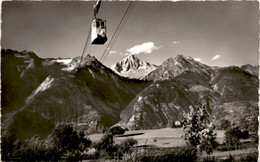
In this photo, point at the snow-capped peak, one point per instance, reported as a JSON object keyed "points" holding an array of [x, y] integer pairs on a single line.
{"points": [[132, 67]]}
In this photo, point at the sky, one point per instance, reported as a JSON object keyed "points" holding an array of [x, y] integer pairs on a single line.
{"points": [[215, 33]]}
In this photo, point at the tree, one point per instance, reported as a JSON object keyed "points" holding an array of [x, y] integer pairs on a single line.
{"points": [[127, 145], [36, 149], [253, 129], [105, 147], [66, 139], [7, 145], [199, 131], [84, 143], [117, 130], [225, 124], [232, 137], [251, 126]]}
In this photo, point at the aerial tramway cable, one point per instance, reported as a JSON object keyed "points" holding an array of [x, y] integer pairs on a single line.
{"points": [[86, 44], [96, 8], [116, 33], [119, 28]]}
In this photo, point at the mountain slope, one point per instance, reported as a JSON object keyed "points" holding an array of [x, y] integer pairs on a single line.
{"points": [[227, 93], [132, 67], [39, 93], [235, 84], [91, 96], [21, 73], [164, 102]]}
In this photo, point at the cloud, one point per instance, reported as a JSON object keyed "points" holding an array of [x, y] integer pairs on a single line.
{"points": [[123, 54], [112, 52], [175, 42], [215, 57], [197, 59], [143, 48]]}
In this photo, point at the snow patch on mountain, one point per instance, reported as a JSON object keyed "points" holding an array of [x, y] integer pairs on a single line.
{"points": [[45, 85], [199, 88], [73, 64], [64, 61], [22, 56], [92, 73], [69, 68]]}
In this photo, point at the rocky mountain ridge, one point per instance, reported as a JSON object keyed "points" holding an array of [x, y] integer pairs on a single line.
{"points": [[173, 67], [38, 93], [91, 96], [227, 93]]}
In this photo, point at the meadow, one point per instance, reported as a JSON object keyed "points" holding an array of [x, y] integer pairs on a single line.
{"points": [[164, 137], [173, 137]]}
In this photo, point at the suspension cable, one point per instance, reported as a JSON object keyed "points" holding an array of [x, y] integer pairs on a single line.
{"points": [[86, 44], [119, 31], [119, 28], [116, 33]]}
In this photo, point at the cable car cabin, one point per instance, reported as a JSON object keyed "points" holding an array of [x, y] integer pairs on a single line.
{"points": [[98, 31]]}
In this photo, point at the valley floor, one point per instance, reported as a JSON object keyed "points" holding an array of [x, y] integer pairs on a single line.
{"points": [[173, 137], [165, 137]]}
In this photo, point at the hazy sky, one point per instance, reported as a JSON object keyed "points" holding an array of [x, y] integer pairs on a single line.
{"points": [[215, 33]]}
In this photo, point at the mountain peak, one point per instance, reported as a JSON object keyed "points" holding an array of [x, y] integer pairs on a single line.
{"points": [[180, 56], [173, 67], [179, 60], [130, 62], [131, 58], [90, 61], [182, 59], [24, 54], [90, 58], [251, 69], [132, 67]]}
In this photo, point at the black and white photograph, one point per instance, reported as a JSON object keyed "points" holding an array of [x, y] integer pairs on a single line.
{"points": [[136, 81]]}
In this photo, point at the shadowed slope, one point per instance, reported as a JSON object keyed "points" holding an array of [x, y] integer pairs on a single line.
{"points": [[91, 96]]}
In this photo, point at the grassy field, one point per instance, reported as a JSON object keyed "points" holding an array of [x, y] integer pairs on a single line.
{"points": [[173, 137], [165, 137]]}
